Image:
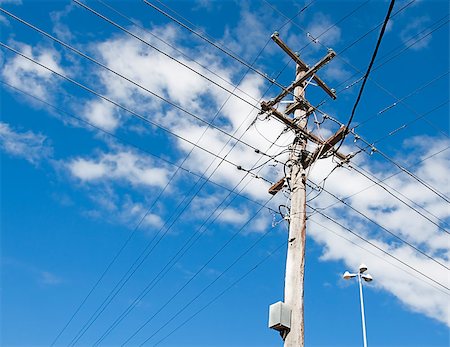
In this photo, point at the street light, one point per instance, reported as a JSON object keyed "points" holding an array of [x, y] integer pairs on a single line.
{"points": [[366, 277]]}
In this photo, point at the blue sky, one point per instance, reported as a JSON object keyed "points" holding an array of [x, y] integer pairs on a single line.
{"points": [[129, 199]]}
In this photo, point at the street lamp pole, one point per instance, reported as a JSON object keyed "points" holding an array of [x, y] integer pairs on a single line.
{"points": [[366, 277], [362, 309]]}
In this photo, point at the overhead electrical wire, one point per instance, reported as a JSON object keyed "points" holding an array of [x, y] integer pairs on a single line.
{"points": [[264, 259], [128, 110], [403, 169], [380, 249], [232, 285], [175, 258], [339, 55], [178, 256], [121, 139], [120, 75], [378, 84], [389, 107], [230, 54], [378, 256], [138, 148], [147, 251], [380, 226], [388, 177], [387, 190], [229, 240], [409, 173], [157, 37], [57, 41], [107, 301], [214, 44]]}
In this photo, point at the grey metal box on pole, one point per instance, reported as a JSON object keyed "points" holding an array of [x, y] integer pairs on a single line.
{"points": [[279, 316]]}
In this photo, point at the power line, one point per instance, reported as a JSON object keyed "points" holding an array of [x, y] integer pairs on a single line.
{"points": [[120, 75], [376, 255], [388, 177], [380, 226], [173, 260], [124, 280], [147, 251], [201, 268], [135, 146], [121, 139], [133, 113], [222, 292], [232, 55], [379, 66], [374, 149], [415, 91], [354, 167], [379, 248]]}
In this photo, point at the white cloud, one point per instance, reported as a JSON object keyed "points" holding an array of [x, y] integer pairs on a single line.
{"points": [[123, 166], [101, 113], [28, 76], [234, 216], [28, 145]]}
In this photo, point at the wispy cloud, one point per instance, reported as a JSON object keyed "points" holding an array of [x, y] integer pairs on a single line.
{"points": [[28, 145], [48, 278], [416, 29]]}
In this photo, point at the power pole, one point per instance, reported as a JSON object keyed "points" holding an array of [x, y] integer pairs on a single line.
{"points": [[288, 317], [295, 260]]}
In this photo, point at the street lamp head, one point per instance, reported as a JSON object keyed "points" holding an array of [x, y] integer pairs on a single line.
{"points": [[362, 268], [367, 277], [347, 275]]}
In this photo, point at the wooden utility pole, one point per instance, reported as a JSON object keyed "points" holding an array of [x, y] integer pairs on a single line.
{"points": [[295, 261], [288, 317]]}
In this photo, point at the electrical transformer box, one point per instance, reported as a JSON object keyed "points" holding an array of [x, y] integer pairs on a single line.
{"points": [[279, 316]]}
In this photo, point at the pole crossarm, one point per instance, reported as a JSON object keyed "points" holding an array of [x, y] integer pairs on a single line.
{"points": [[303, 66], [328, 145], [324, 146]]}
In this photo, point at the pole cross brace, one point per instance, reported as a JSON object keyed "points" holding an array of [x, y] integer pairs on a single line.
{"points": [[303, 66], [328, 145]]}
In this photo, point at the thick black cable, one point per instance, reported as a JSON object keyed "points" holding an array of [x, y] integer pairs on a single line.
{"points": [[369, 68]]}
